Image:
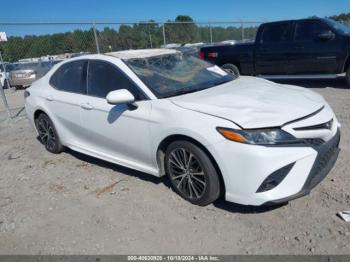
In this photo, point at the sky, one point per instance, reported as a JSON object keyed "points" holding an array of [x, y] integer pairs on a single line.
{"points": [[160, 10]]}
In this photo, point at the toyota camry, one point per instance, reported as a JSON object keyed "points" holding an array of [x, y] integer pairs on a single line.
{"points": [[163, 112]]}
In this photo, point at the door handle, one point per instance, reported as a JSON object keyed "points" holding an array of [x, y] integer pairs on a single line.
{"points": [[86, 106], [49, 98]]}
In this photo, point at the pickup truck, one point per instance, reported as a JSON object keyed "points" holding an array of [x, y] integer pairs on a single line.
{"points": [[307, 48]]}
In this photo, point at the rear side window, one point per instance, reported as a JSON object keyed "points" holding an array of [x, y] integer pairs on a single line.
{"points": [[308, 31], [275, 33], [104, 78], [71, 77]]}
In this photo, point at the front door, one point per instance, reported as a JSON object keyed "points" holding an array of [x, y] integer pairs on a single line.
{"points": [[312, 54], [118, 132]]}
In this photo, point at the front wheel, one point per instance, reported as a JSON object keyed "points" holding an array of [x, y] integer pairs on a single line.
{"points": [[348, 75], [48, 134], [192, 173]]}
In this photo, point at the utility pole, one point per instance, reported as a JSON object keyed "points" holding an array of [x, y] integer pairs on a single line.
{"points": [[150, 36], [211, 33], [2, 93], [96, 39], [242, 28], [164, 40]]}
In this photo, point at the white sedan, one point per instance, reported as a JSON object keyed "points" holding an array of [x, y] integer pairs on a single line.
{"points": [[165, 113]]}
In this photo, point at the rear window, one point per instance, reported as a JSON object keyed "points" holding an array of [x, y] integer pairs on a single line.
{"points": [[70, 77], [275, 33]]}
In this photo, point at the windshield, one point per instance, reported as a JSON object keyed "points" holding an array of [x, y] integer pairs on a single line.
{"points": [[176, 74], [25, 66], [339, 27]]}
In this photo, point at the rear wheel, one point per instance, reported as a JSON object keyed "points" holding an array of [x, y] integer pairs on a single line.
{"points": [[348, 75], [191, 172], [48, 134], [231, 69]]}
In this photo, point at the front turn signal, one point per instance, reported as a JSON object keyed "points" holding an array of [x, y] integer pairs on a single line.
{"points": [[231, 135]]}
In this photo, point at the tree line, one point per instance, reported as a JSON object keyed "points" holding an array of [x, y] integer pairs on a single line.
{"points": [[141, 35], [344, 17]]}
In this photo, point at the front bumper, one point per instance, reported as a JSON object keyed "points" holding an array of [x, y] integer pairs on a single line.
{"points": [[327, 155], [245, 167]]}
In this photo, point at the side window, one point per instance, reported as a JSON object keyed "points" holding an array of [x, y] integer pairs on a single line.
{"points": [[307, 31], [275, 33], [104, 78], [71, 77]]}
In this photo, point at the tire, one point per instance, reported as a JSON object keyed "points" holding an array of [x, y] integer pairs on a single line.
{"points": [[348, 76], [231, 69], [197, 181], [48, 135], [6, 86]]}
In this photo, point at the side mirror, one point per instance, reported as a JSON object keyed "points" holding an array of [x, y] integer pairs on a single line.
{"points": [[121, 96], [326, 35]]}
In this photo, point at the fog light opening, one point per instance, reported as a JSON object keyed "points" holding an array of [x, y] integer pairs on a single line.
{"points": [[275, 178]]}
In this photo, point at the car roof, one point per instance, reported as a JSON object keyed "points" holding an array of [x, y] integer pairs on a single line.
{"points": [[124, 55], [141, 53], [290, 21]]}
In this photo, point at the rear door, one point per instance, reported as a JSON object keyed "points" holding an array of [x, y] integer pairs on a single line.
{"points": [[273, 49], [311, 54], [69, 89]]}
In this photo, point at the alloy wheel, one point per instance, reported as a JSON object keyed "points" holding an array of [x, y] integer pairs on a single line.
{"points": [[186, 172], [46, 134]]}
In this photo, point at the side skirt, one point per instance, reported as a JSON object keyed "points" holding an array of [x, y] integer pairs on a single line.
{"points": [[114, 160], [326, 76]]}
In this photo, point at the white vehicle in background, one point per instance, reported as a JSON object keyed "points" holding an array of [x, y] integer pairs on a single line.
{"points": [[164, 113], [3, 78], [4, 74]]}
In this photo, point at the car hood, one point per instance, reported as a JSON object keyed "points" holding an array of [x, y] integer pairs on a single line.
{"points": [[253, 102]]}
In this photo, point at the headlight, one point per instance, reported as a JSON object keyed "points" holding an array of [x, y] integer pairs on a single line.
{"points": [[258, 136]]}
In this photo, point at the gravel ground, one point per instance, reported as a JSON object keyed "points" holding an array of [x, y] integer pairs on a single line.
{"points": [[74, 204]]}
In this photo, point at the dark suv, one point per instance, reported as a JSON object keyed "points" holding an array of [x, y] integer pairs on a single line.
{"points": [[303, 48]]}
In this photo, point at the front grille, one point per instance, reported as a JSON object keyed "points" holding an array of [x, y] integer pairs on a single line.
{"points": [[314, 142]]}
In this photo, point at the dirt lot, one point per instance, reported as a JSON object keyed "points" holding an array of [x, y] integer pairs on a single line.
{"points": [[73, 204]]}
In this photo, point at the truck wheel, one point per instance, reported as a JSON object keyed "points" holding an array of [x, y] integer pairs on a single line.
{"points": [[348, 76], [231, 69]]}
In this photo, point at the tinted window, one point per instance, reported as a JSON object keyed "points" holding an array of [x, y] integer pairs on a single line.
{"points": [[275, 33], [308, 30], [104, 78], [71, 77]]}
